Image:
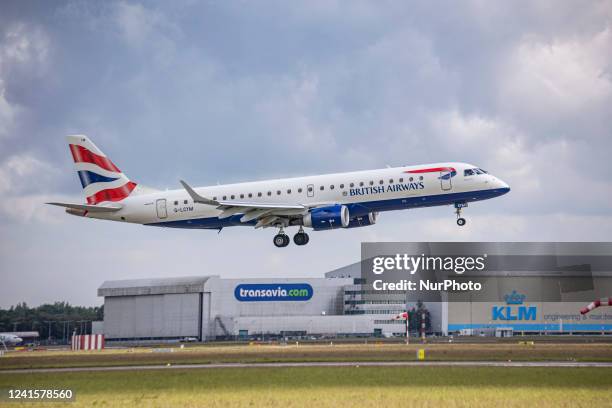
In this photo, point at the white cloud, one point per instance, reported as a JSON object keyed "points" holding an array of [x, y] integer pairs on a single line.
{"points": [[32, 208], [22, 172], [22, 44], [8, 113], [136, 22], [24, 52], [559, 77], [148, 29], [24, 182]]}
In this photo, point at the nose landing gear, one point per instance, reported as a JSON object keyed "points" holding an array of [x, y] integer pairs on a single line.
{"points": [[460, 220]]}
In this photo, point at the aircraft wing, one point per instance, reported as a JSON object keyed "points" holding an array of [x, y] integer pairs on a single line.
{"points": [[265, 213], [90, 208]]}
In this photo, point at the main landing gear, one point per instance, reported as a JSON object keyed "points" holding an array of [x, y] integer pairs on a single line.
{"points": [[460, 220], [301, 238], [281, 239]]}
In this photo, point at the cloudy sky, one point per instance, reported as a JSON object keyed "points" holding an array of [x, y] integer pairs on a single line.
{"points": [[232, 91]]}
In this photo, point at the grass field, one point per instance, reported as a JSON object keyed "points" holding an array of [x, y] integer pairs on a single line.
{"points": [[332, 387], [291, 353]]}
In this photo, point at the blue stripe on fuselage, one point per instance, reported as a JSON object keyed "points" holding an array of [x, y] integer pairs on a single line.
{"points": [[89, 177], [355, 209]]}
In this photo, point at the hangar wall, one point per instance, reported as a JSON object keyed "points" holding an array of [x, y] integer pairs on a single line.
{"points": [[153, 308], [152, 316]]}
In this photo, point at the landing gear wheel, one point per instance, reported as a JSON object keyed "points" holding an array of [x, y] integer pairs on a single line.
{"points": [[301, 238], [461, 222], [281, 240]]}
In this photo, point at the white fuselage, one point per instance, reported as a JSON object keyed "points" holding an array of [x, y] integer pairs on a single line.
{"points": [[361, 191]]}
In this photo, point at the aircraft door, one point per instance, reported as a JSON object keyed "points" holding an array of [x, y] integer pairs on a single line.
{"points": [[446, 180], [310, 190], [161, 208]]}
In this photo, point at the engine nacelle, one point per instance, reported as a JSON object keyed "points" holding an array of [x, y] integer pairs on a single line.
{"points": [[335, 216], [363, 221]]}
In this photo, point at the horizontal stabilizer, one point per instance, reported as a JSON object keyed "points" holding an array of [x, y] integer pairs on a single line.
{"points": [[90, 208]]}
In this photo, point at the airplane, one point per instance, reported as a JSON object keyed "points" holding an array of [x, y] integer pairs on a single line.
{"points": [[323, 202], [10, 339]]}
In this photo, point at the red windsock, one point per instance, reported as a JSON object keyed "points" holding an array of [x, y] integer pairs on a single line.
{"points": [[595, 304], [401, 316]]}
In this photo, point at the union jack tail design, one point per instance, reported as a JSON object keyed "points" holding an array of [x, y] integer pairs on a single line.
{"points": [[100, 178]]}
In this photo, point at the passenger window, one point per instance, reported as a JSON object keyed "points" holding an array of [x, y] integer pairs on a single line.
{"points": [[331, 187], [269, 193], [250, 195], [411, 179], [185, 202], [259, 194], [176, 203], [299, 190], [390, 181], [277, 192], [371, 183], [214, 198], [341, 185], [361, 184], [401, 180], [420, 177], [233, 196], [289, 191], [352, 185], [321, 188], [224, 198], [241, 195], [381, 182]]}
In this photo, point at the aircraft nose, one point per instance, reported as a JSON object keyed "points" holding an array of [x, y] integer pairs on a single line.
{"points": [[502, 186]]}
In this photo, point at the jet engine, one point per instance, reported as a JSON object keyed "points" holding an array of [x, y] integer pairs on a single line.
{"points": [[323, 218], [363, 221]]}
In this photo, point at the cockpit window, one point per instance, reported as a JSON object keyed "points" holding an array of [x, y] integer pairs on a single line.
{"points": [[484, 171], [473, 172]]}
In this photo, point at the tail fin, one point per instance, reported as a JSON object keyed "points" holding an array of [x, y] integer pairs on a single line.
{"points": [[100, 178]]}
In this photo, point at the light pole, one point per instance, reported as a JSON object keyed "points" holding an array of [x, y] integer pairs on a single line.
{"points": [[49, 338]]}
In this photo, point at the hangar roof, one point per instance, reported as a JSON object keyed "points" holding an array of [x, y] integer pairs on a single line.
{"points": [[156, 286]]}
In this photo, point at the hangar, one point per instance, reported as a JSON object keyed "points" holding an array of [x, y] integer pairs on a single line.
{"points": [[210, 307]]}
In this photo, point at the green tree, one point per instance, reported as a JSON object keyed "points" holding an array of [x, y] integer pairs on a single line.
{"points": [[416, 318], [60, 317]]}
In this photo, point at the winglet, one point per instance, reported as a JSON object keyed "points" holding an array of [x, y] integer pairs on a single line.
{"points": [[196, 197]]}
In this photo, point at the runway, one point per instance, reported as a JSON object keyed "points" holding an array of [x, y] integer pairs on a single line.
{"points": [[356, 364]]}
